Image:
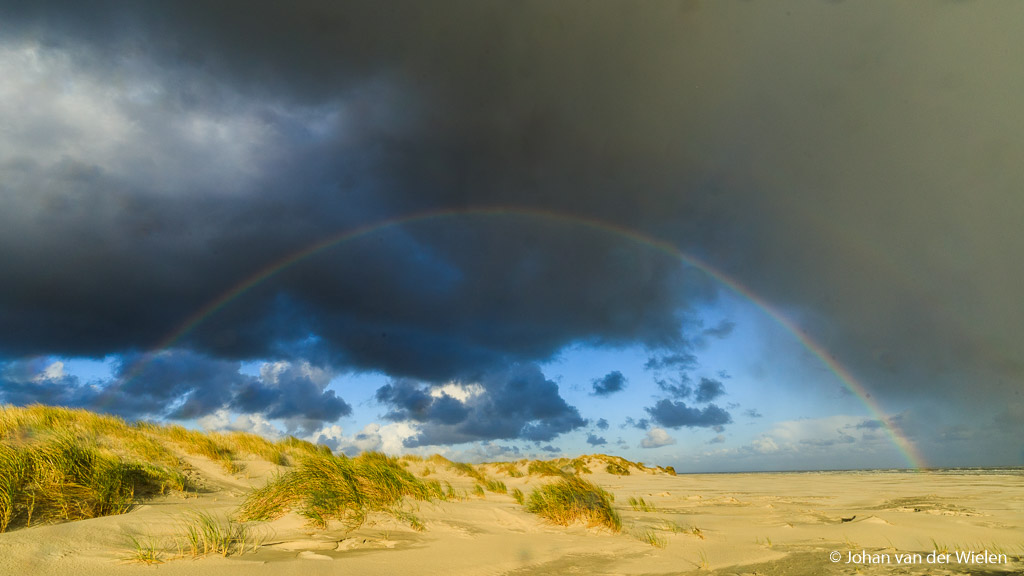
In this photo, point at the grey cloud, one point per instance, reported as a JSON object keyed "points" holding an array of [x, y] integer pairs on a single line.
{"points": [[517, 403], [870, 425], [608, 384], [674, 414], [720, 331], [602, 424], [708, 390], [639, 424], [675, 360], [596, 440], [183, 385], [677, 387], [238, 133]]}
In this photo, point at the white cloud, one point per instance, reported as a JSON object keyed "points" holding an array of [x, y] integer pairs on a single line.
{"points": [[657, 437], [222, 421], [373, 437], [54, 371], [461, 392]]}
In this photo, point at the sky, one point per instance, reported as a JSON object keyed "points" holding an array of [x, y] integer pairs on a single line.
{"points": [[722, 236]]}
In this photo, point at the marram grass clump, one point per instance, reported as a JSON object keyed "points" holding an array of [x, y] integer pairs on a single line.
{"points": [[59, 464], [325, 488], [573, 499]]}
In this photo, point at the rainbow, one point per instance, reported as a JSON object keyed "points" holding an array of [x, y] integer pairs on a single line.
{"points": [[902, 443]]}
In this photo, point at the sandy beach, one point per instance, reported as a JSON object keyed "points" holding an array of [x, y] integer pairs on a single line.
{"points": [[757, 523]]}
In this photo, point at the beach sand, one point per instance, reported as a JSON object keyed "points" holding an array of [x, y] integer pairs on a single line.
{"points": [[757, 523]]}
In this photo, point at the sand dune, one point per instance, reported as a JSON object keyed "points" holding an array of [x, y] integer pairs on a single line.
{"points": [[659, 523], [723, 524]]}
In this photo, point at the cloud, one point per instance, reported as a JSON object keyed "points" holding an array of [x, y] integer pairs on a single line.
{"points": [[720, 331], [656, 438], [674, 414], [719, 439], [609, 384], [753, 413], [676, 387], [517, 403], [596, 440], [639, 424], [373, 437], [222, 421], [676, 360], [708, 390], [184, 385], [602, 424], [154, 158]]}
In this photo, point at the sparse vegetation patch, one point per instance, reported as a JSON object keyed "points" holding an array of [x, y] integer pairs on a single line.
{"points": [[325, 488], [573, 499]]}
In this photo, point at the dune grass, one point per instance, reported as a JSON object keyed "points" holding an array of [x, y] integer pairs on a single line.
{"points": [[496, 486], [617, 469], [62, 477], [651, 537], [640, 505], [144, 550], [207, 534], [517, 494], [60, 464], [325, 488], [510, 469], [572, 499], [545, 468], [199, 534]]}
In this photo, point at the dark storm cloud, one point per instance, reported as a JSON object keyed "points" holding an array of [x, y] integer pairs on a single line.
{"points": [[515, 403], [223, 155], [596, 440], [411, 401], [708, 390], [608, 384], [182, 385], [155, 155], [673, 414]]}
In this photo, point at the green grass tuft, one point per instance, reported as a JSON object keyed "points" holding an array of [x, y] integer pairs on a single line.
{"points": [[61, 477], [518, 495], [640, 505], [511, 470], [207, 534], [542, 468], [496, 486], [617, 469], [651, 537], [467, 470], [144, 551], [572, 499], [325, 488]]}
